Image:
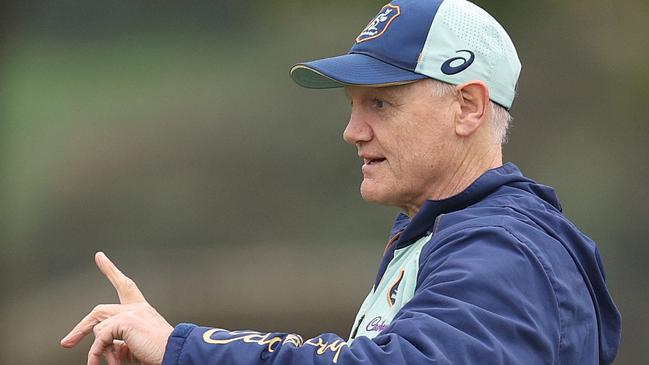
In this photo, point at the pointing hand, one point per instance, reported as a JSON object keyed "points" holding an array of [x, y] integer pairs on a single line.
{"points": [[131, 330]]}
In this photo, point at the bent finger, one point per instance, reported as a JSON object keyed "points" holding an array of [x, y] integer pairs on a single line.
{"points": [[84, 327], [101, 345], [111, 356], [127, 290], [122, 351]]}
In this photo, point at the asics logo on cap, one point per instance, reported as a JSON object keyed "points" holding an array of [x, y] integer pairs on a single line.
{"points": [[449, 69], [380, 23]]}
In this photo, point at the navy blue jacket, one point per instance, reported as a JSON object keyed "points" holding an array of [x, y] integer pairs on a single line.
{"points": [[493, 275]]}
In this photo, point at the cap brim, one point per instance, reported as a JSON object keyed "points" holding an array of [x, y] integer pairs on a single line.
{"points": [[350, 69]]}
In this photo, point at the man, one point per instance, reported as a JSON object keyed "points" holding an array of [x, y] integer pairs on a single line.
{"points": [[481, 268]]}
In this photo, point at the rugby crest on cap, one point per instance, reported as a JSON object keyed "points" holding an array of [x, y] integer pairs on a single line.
{"points": [[380, 23]]}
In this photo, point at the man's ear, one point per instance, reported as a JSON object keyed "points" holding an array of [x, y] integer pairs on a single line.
{"points": [[473, 97]]}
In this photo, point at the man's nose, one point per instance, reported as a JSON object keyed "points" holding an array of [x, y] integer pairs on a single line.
{"points": [[357, 130]]}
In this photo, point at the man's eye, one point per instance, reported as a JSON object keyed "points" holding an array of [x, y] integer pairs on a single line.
{"points": [[378, 103]]}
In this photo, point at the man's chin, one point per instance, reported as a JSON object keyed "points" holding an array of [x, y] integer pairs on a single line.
{"points": [[373, 193]]}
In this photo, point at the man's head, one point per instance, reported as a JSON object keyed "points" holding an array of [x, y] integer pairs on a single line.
{"points": [[413, 138], [430, 83]]}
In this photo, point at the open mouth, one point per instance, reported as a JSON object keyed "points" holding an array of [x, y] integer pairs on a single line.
{"points": [[373, 161]]}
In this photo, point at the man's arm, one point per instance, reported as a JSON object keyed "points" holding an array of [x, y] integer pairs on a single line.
{"points": [[483, 297]]}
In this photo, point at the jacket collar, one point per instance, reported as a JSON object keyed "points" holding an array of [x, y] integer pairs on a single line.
{"points": [[423, 222]]}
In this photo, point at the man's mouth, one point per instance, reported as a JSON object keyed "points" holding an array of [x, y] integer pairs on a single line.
{"points": [[373, 161]]}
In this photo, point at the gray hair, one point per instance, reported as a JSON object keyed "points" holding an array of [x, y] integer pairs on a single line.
{"points": [[500, 117]]}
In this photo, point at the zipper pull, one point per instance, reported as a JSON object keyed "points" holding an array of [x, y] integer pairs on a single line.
{"points": [[360, 320]]}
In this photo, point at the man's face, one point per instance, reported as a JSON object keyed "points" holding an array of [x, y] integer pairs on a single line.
{"points": [[404, 134]]}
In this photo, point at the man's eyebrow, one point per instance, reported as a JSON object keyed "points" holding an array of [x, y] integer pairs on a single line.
{"points": [[390, 92], [383, 92]]}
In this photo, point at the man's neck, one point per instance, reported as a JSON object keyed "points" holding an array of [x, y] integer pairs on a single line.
{"points": [[467, 171]]}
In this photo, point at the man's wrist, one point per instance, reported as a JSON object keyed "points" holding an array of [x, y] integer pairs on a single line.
{"points": [[176, 342]]}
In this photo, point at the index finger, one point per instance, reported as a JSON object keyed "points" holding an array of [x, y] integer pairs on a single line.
{"points": [[126, 288]]}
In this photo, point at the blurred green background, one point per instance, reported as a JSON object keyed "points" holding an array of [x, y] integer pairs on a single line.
{"points": [[169, 135]]}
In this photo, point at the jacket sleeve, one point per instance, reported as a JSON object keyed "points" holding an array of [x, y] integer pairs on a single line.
{"points": [[483, 297]]}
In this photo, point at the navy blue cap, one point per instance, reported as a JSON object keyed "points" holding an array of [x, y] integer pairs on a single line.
{"points": [[453, 41]]}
